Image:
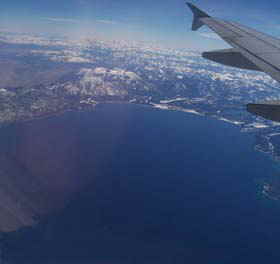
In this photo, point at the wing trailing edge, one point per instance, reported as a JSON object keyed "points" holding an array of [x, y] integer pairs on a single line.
{"points": [[230, 57], [269, 110]]}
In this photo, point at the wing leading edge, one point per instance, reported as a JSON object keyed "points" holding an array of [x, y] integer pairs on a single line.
{"points": [[252, 50]]}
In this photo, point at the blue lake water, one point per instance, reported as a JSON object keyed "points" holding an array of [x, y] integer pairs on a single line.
{"points": [[162, 187]]}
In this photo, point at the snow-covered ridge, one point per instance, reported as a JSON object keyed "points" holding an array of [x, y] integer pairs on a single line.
{"points": [[146, 73]]}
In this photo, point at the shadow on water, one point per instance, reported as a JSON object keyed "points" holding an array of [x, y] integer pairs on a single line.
{"points": [[46, 166], [126, 184], [40, 164]]}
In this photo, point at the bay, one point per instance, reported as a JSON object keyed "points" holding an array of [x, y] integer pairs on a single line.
{"points": [[131, 184]]}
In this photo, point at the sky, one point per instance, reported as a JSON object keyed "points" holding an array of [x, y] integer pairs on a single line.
{"points": [[166, 22]]}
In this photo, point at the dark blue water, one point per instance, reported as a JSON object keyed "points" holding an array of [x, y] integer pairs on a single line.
{"points": [[167, 187]]}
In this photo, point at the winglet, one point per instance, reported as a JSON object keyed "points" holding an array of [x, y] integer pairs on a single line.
{"points": [[198, 14]]}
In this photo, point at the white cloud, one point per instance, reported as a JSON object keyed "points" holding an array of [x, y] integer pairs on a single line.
{"points": [[111, 22], [60, 20], [209, 35]]}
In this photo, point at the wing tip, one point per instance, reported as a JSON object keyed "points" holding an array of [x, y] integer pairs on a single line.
{"points": [[196, 11], [198, 14]]}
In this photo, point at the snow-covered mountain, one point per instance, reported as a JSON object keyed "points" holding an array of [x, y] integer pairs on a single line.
{"points": [[42, 75]]}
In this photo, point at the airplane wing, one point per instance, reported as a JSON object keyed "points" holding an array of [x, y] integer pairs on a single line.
{"points": [[251, 50], [269, 110]]}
